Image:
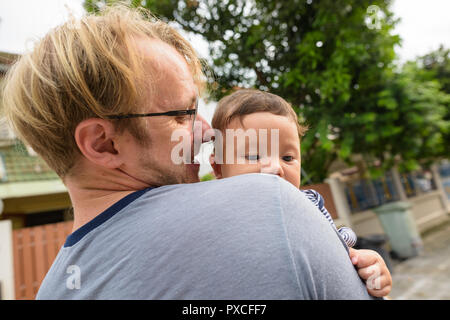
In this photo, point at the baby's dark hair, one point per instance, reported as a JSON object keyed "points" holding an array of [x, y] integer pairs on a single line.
{"points": [[248, 101]]}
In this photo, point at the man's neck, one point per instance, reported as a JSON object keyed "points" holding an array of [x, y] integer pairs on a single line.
{"points": [[97, 189]]}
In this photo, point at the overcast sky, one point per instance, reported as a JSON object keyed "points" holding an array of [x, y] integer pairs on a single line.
{"points": [[424, 24]]}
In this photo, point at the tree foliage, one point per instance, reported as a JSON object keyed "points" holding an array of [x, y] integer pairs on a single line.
{"points": [[333, 60], [417, 117], [435, 66]]}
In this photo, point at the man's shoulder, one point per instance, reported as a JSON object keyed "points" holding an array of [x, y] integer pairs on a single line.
{"points": [[248, 193], [251, 183], [247, 188]]}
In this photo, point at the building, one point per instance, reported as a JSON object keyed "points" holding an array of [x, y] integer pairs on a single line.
{"points": [[30, 192]]}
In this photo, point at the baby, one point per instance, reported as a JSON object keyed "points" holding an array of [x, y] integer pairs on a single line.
{"points": [[254, 115]]}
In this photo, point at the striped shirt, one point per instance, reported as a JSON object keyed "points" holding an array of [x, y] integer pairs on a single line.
{"points": [[347, 234]]}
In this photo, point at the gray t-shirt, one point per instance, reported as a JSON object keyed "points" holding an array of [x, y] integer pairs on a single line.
{"points": [[248, 237]]}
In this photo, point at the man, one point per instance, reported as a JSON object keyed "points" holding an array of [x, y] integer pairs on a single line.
{"points": [[100, 99]]}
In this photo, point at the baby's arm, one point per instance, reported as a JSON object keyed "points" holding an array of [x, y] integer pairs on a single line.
{"points": [[372, 269], [371, 266]]}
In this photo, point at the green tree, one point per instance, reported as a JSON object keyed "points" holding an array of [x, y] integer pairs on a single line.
{"points": [[435, 66], [332, 59], [411, 121], [207, 177]]}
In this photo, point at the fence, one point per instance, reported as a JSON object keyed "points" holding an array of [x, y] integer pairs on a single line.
{"points": [[366, 194], [34, 250], [425, 190], [444, 171], [417, 183]]}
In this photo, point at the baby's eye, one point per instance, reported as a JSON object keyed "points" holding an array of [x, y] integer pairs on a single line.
{"points": [[288, 158], [252, 157]]}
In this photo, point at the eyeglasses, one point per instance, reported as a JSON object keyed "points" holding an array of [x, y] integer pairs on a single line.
{"points": [[192, 113]]}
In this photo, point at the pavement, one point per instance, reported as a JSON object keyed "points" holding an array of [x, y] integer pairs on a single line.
{"points": [[427, 276]]}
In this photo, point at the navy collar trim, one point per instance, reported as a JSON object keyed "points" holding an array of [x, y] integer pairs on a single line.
{"points": [[78, 234]]}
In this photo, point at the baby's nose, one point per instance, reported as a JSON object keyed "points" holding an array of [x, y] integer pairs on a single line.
{"points": [[272, 166]]}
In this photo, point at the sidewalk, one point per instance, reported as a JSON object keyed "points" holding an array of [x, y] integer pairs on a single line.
{"points": [[426, 277]]}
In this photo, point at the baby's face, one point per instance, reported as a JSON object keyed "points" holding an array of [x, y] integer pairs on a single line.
{"points": [[275, 148]]}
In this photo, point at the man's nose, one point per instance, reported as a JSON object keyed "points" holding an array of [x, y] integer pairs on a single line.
{"points": [[272, 166], [201, 126]]}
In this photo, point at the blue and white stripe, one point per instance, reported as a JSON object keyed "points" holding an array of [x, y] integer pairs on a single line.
{"points": [[347, 234]]}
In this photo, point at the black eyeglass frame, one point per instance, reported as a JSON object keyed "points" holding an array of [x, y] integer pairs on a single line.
{"points": [[173, 113]]}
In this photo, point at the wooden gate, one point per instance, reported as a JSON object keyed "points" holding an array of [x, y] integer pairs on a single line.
{"points": [[35, 249]]}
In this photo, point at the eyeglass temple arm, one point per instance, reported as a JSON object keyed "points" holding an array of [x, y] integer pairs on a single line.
{"points": [[168, 113]]}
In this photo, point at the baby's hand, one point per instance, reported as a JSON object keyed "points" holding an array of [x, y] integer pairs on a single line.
{"points": [[373, 270]]}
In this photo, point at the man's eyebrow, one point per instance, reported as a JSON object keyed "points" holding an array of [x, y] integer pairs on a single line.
{"points": [[192, 102], [189, 103]]}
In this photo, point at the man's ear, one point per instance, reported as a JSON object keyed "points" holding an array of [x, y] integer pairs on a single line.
{"points": [[95, 139], [216, 167]]}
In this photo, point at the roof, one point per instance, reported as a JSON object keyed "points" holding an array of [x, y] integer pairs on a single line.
{"points": [[20, 166], [22, 173], [6, 59]]}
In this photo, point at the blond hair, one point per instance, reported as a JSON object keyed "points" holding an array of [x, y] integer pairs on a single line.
{"points": [[247, 101], [82, 69]]}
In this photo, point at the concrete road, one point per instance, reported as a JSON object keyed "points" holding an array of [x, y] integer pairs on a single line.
{"points": [[426, 277]]}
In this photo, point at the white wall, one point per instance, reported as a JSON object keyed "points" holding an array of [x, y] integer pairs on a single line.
{"points": [[6, 261]]}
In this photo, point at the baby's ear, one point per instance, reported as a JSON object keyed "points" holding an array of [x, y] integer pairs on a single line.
{"points": [[216, 167]]}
